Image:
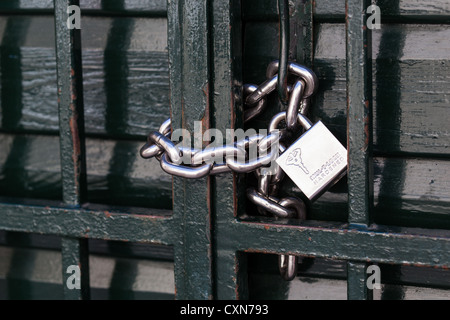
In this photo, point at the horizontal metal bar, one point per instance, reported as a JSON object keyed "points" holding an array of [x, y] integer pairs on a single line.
{"points": [[409, 246], [82, 223]]}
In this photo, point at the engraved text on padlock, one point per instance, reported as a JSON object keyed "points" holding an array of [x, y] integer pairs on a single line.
{"points": [[315, 162]]}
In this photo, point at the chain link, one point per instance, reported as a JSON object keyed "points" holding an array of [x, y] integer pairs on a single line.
{"points": [[159, 143], [238, 158]]}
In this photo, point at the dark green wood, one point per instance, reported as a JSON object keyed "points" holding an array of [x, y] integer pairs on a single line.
{"points": [[259, 10], [398, 100], [407, 11], [188, 23], [409, 115], [156, 226], [410, 192], [91, 7], [406, 118], [356, 281], [401, 194], [32, 169], [11, 75], [141, 67], [331, 10], [30, 273], [359, 114]]}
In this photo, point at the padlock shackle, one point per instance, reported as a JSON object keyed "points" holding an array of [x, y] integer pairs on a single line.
{"points": [[306, 74], [304, 121]]}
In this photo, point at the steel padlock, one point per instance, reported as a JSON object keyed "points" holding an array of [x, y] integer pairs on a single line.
{"points": [[315, 161]]}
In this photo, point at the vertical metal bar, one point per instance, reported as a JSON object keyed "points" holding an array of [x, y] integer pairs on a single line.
{"points": [[70, 96], [359, 133], [190, 90], [71, 124], [283, 11], [230, 266], [356, 282], [75, 253], [359, 113], [302, 33]]}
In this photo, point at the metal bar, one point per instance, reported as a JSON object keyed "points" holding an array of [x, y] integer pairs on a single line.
{"points": [[229, 266], [414, 246], [359, 113], [359, 132], [190, 80], [82, 223], [72, 144], [283, 9], [70, 97], [75, 254], [302, 32], [356, 281]]}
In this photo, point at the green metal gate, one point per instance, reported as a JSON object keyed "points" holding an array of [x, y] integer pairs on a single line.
{"points": [[393, 211]]}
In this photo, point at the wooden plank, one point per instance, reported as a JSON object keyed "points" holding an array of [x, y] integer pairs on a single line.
{"points": [[408, 114], [332, 10], [117, 175], [407, 191], [135, 59], [391, 10], [39, 271], [402, 194], [115, 249], [105, 7], [398, 100]]}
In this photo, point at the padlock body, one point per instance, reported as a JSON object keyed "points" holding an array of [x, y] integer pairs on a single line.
{"points": [[315, 162]]}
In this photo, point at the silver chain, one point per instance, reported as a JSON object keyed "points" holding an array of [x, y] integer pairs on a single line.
{"points": [[187, 162]]}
